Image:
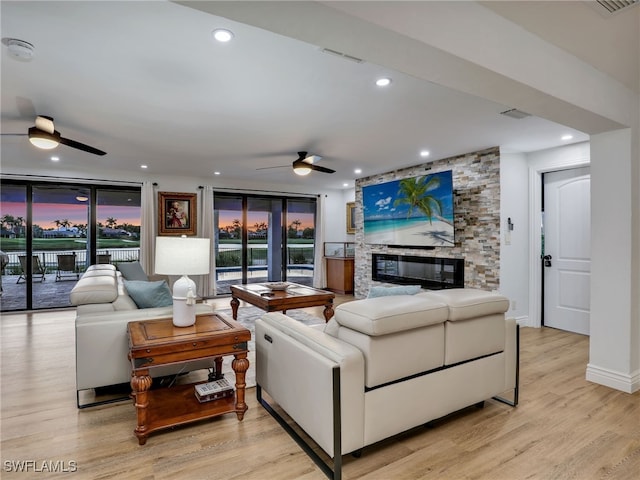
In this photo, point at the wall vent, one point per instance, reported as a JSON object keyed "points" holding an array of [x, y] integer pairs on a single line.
{"points": [[610, 7], [515, 113], [343, 55]]}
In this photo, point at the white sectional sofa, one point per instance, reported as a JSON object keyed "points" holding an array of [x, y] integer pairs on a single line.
{"points": [[384, 365], [103, 310]]}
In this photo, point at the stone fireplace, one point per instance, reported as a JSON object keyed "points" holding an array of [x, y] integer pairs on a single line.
{"points": [[476, 183]]}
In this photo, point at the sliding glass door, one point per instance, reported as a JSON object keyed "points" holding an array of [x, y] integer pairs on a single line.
{"points": [[52, 232], [13, 243], [300, 240], [256, 242]]}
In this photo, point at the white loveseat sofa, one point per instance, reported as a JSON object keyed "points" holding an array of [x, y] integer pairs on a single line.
{"points": [[384, 365], [103, 310]]}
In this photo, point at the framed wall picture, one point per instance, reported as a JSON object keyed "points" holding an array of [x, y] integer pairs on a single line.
{"points": [[351, 217], [177, 213]]}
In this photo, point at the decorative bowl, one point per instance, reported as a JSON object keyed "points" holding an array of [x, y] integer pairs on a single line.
{"points": [[278, 285]]}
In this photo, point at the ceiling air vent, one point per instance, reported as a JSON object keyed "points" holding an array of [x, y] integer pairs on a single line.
{"points": [[515, 113], [614, 6], [343, 55]]}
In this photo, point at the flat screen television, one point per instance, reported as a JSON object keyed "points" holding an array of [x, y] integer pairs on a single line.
{"points": [[412, 212]]}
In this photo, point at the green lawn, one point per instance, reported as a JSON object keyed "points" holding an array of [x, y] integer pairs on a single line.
{"points": [[53, 244]]}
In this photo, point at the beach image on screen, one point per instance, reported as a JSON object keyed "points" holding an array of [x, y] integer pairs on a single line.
{"points": [[416, 211]]}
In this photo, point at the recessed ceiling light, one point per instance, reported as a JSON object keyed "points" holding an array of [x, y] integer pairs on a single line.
{"points": [[143, 166], [216, 173], [424, 153], [567, 137], [55, 159], [222, 35], [383, 82], [82, 198], [345, 184], [357, 171]]}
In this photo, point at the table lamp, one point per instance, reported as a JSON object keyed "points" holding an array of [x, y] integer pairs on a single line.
{"points": [[183, 256]]}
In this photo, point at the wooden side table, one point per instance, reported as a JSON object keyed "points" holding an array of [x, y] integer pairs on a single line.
{"points": [[154, 343]]}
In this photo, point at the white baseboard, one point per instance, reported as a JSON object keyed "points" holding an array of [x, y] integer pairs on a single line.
{"points": [[523, 321], [628, 383]]}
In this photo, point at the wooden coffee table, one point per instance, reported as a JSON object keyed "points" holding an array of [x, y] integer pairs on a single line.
{"points": [[153, 343], [295, 296]]}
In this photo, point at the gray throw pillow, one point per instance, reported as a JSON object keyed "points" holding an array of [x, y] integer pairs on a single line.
{"points": [[399, 290], [132, 271], [149, 294]]}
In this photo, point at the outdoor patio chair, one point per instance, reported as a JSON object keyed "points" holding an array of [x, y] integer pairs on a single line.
{"points": [[37, 269], [103, 258], [66, 266], [4, 261]]}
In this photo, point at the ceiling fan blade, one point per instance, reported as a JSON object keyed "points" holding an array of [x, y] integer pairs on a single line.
{"points": [[267, 168], [45, 124], [14, 134], [318, 168], [81, 146]]}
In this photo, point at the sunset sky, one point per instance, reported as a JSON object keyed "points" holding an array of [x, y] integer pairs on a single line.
{"points": [[44, 214]]}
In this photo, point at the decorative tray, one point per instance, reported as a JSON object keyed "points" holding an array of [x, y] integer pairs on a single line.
{"points": [[277, 285]]}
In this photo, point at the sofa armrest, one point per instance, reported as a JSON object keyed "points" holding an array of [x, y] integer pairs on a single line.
{"points": [[294, 365]]}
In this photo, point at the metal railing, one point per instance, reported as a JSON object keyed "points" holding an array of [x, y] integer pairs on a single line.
{"points": [[49, 259]]}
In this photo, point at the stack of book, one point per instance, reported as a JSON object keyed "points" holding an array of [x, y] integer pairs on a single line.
{"points": [[215, 390]]}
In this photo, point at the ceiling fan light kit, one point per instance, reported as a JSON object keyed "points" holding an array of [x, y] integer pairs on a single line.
{"points": [[301, 168], [44, 140]]}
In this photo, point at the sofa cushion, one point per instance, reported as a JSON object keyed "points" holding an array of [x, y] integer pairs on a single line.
{"points": [[149, 294], [97, 272], [465, 303], [474, 338], [132, 271], [375, 292], [94, 289], [383, 315], [422, 349], [101, 267]]}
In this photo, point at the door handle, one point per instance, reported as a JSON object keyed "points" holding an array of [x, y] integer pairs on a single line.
{"points": [[547, 260]]}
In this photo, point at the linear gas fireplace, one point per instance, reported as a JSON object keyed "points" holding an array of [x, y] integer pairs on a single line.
{"points": [[429, 272]]}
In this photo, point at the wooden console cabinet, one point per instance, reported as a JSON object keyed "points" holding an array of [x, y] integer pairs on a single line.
{"points": [[339, 258], [340, 275]]}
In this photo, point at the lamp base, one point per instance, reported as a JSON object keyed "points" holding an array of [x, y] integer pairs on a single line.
{"points": [[184, 313]]}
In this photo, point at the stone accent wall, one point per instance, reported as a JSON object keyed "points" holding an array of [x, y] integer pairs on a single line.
{"points": [[476, 185]]}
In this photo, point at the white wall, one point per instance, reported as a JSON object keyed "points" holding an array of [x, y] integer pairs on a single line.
{"points": [[514, 245], [336, 215]]}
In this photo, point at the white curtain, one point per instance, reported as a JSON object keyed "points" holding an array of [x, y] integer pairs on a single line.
{"points": [[148, 228], [319, 267], [207, 286]]}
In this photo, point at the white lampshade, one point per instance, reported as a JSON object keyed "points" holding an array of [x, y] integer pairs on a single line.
{"points": [[182, 256]]}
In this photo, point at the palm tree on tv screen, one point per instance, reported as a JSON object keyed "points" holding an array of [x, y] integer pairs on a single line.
{"points": [[413, 192]]}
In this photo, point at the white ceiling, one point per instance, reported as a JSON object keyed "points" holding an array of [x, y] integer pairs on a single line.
{"points": [[145, 82]]}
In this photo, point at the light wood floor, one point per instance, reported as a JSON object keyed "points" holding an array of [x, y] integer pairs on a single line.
{"points": [[564, 427]]}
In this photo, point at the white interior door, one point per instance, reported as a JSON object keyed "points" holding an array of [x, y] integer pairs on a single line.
{"points": [[567, 241]]}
